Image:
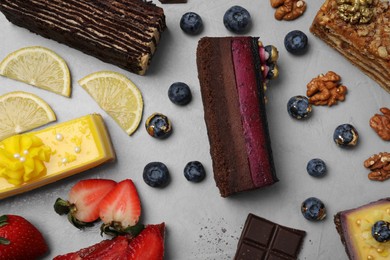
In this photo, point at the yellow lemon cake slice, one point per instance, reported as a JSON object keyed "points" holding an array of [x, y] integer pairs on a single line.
{"points": [[364, 231], [34, 159]]}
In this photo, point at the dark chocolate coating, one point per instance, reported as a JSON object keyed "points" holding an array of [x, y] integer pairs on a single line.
{"points": [[121, 32]]}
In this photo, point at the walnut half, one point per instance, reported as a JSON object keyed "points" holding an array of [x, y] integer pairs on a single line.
{"points": [[379, 164], [381, 124], [326, 89], [288, 9]]}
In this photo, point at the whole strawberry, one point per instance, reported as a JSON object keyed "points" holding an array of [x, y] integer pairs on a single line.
{"points": [[19, 239]]}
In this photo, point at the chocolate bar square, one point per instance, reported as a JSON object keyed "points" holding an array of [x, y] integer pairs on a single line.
{"points": [[265, 240]]}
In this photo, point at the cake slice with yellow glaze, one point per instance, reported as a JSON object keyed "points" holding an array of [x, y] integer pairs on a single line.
{"points": [[34, 159], [361, 240]]}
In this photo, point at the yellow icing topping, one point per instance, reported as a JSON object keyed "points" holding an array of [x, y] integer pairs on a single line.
{"points": [[74, 146], [22, 158], [360, 224]]}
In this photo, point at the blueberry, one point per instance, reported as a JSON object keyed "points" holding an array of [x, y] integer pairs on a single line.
{"points": [[345, 135], [191, 23], [158, 125], [295, 42], [313, 209], [156, 174], [272, 53], [194, 171], [237, 19], [299, 107], [316, 167], [273, 71], [381, 231], [179, 93]]}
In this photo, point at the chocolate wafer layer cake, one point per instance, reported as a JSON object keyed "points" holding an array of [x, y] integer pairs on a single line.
{"points": [[365, 231], [121, 32], [232, 75], [359, 30]]}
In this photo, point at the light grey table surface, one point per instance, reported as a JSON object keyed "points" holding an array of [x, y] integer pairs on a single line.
{"points": [[200, 223]]}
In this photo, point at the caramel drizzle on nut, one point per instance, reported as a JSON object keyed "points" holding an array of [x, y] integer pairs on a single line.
{"points": [[381, 123], [326, 89], [288, 9], [379, 165], [355, 11]]}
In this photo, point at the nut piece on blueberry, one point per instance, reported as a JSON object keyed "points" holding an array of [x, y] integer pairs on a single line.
{"points": [[158, 126], [179, 93], [191, 23], [313, 209], [345, 135], [156, 174], [316, 167], [299, 107], [237, 19], [295, 42], [194, 171]]}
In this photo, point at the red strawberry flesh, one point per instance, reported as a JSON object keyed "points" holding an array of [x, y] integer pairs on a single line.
{"points": [[121, 207], [86, 196], [148, 245]]}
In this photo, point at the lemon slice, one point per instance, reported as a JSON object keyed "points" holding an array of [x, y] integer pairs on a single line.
{"points": [[40, 67], [21, 111], [118, 96]]}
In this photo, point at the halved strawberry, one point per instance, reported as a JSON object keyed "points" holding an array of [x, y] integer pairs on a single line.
{"points": [[82, 206], [120, 209], [149, 244]]}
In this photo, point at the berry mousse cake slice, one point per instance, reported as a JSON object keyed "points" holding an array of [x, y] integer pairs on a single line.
{"points": [[121, 32], [233, 72], [359, 30], [365, 231]]}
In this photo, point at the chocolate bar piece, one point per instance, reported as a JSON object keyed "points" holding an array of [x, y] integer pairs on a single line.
{"points": [[355, 229], [264, 240], [359, 30], [121, 32], [232, 87]]}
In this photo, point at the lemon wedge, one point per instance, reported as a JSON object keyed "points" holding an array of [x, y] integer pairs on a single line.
{"points": [[21, 111], [118, 96], [40, 67]]}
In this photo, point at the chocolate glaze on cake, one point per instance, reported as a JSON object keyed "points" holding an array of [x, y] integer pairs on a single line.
{"points": [[234, 135], [121, 32]]}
